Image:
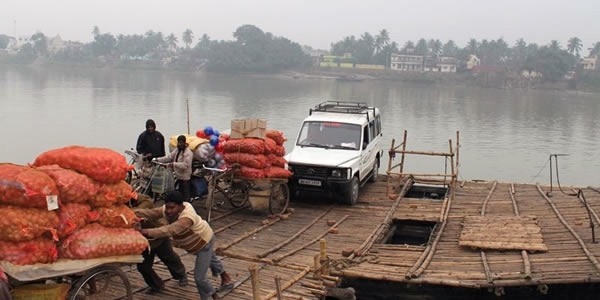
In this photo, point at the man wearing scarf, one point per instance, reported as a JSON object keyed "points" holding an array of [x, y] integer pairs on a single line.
{"points": [[180, 160]]}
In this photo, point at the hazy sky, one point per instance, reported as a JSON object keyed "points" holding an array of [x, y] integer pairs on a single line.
{"points": [[315, 23]]}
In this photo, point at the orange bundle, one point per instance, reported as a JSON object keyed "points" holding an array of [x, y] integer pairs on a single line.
{"points": [[95, 240], [247, 172], [111, 194], [271, 147], [72, 186], [257, 161], [277, 173], [19, 224], [276, 161], [117, 216], [73, 216], [276, 135], [38, 251], [102, 165], [247, 145], [24, 186]]}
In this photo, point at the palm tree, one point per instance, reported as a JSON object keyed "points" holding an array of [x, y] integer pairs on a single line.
{"points": [[421, 48], [382, 39], [172, 41], [96, 31], [574, 46], [408, 45], [449, 49], [555, 45], [435, 46], [472, 46], [188, 37]]}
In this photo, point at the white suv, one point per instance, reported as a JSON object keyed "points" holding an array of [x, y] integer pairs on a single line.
{"points": [[337, 150]]}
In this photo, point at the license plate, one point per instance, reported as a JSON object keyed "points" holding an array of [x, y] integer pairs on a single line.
{"points": [[309, 182]]}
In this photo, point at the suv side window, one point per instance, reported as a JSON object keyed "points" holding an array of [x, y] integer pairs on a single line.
{"points": [[373, 131], [366, 140], [378, 124]]}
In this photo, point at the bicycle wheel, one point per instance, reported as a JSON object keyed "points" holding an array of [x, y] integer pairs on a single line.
{"points": [[279, 198], [104, 282], [237, 194]]}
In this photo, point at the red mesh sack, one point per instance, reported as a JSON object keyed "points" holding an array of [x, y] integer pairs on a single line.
{"points": [[41, 250], [251, 146], [276, 161], [20, 224], [276, 135], [73, 216], [111, 194], [257, 161], [72, 186], [117, 216], [102, 165], [247, 172], [23, 186], [271, 147], [277, 173], [95, 240]]}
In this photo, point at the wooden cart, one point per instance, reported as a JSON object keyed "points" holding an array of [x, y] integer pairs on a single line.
{"points": [[271, 194]]}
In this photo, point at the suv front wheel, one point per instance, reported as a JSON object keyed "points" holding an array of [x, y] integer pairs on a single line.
{"points": [[351, 194]]}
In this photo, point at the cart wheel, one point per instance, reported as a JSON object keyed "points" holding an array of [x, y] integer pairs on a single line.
{"points": [[104, 282], [279, 198], [237, 194]]}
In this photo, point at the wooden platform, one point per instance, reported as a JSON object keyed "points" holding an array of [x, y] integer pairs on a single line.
{"points": [[287, 247], [502, 233]]}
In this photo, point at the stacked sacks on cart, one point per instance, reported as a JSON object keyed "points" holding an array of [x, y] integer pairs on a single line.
{"points": [[32, 228], [258, 158], [27, 228], [213, 150]]}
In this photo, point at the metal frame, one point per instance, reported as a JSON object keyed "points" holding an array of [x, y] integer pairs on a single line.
{"points": [[344, 107]]}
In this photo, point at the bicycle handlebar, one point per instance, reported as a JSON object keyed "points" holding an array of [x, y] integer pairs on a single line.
{"points": [[214, 169]]}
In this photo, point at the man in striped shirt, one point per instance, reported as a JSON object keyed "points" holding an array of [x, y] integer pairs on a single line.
{"points": [[191, 233]]}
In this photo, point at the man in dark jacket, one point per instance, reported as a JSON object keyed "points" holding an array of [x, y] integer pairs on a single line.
{"points": [[151, 143]]}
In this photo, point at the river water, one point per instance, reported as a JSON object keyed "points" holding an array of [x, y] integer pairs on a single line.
{"points": [[504, 134]]}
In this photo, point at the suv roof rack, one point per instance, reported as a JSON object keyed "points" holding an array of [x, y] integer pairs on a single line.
{"points": [[343, 107]]}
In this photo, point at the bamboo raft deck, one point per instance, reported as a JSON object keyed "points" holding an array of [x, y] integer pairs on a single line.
{"points": [[286, 247]]}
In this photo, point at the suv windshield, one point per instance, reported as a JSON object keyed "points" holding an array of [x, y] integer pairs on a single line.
{"points": [[330, 135]]}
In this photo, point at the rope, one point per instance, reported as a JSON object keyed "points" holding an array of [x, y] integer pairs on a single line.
{"points": [[539, 172]]}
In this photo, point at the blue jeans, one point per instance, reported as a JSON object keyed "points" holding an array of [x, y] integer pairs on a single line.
{"points": [[206, 258]]}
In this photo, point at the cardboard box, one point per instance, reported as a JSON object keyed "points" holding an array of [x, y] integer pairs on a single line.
{"points": [[248, 128]]}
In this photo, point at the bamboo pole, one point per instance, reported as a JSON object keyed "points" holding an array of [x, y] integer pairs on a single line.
{"points": [[317, 266], [187, 110], [424, 175], [424, 153], [590, 256], [324, 258], [483, 207], [253, 268], [229, 254], [295, 236], [457, 151], [486, 267], [228, 226], [225, 215], [594, 189], [388, 179], [451, 159], [278, 286], [280, 257], [289, 283], [403, 152], [248, 234], [524, 255]]}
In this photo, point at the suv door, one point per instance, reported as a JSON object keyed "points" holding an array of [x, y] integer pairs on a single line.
{"points": [[366, 157]]}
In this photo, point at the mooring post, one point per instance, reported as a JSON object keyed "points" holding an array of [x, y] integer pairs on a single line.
{"points": [[317, 272], [253, 268], [324, 259]]}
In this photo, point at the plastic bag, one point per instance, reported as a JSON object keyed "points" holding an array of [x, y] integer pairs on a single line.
{"points": [[204, 152], [271, 147], [276, 161], [41, 250], [25, 186], [276, 135], [95, 240], [73, 216], [247, 172], [277, 173], [111, 194], [119, 216], [257, 161], [20, 224], [72, 186], [248, 145], [100, 164]]}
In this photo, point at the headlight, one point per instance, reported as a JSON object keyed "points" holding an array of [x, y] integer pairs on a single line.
{"points": [[336, 173]]}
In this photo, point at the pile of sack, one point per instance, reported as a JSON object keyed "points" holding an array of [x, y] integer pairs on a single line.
{"points": [[258, 158], [69, 204]]}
